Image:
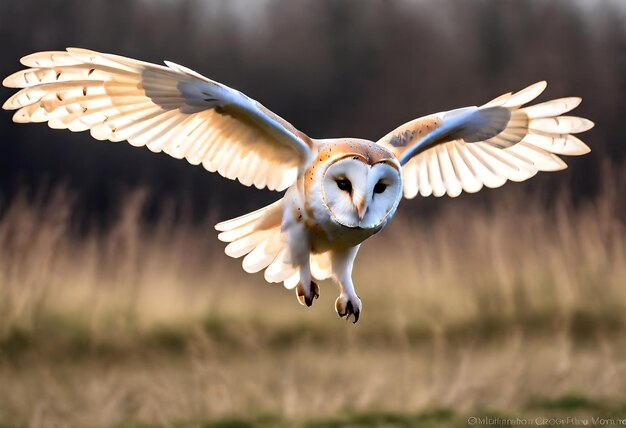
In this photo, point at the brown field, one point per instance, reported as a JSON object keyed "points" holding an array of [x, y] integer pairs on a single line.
{"points": [[507, 308]]}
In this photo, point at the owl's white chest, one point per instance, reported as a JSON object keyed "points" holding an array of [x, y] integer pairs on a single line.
{"points": [[339, 236]]}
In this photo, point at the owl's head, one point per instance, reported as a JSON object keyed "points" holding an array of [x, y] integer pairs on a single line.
{"points": [[361, 193]]}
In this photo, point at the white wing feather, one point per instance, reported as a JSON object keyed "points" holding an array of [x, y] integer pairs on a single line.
{"points": [[466, 149], [167, 109]]}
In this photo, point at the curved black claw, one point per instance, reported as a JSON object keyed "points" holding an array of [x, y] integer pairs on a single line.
{"points": [[314, 293], [345, 308], [350, 310], [315, 289]]}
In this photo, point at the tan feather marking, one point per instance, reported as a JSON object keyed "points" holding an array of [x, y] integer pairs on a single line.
{"points": [[409, 135], [369, 153]]}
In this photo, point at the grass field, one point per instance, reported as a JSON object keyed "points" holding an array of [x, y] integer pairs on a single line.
{"points": [[507, 309]]}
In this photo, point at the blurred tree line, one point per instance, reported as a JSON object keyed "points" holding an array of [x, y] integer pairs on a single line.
{"points": [[332, 68]]}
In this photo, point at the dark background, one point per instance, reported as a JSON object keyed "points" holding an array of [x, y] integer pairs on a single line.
{"points": [[332, 68]]}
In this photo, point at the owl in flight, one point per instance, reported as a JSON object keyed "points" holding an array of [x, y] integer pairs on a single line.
{"points": [[339, 191]]}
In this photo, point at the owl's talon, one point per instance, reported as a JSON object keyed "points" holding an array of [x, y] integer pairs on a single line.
{"points": [[303, 298], [348, 306], [315, 289]]}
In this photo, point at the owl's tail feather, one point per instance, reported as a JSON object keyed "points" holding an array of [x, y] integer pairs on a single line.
{"points": [[259, 238]]}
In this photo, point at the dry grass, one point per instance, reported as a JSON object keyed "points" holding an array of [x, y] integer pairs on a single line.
{"points": [[483, 306]]}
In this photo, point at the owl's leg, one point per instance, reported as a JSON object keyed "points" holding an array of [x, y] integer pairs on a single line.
{"points": [[348, 303], [306, 290]]}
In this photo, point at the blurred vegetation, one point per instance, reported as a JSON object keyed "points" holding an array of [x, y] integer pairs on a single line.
{"points": [[516, 307]]}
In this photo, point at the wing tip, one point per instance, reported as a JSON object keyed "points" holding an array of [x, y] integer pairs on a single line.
{"points": [[27, 60], [539, 86], [20, 117], [586, 125], [32, 60], [8, 82], [8, 105], [72, 50], [221, 227], [575, 101], [172, 65], [454, 193], [411, 195], [560, 164]]}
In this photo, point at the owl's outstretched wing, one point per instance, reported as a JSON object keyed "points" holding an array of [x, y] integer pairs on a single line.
{"points": [[466, 149], [170, 109]]}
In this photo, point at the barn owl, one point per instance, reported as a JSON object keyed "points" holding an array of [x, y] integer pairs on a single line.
{"points": [[339, 191]]}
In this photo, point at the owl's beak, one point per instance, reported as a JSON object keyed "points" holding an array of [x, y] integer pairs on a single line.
{"points": [[360, 208]]}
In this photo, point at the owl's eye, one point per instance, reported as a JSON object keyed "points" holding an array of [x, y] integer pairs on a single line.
{"points": [[344, 184], [380, 187]]}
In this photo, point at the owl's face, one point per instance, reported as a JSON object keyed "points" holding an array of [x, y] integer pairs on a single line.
{"points": [[358, 194]]}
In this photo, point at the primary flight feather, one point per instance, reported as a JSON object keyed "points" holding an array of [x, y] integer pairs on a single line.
{"points": [[339, 191]]}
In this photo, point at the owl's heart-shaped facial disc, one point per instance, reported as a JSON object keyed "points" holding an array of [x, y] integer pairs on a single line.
{"points": [[360, 195]]}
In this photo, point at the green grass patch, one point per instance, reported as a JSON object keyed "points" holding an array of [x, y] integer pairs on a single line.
{"points": [[440, 418], [560, 408], [569, 402]]}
